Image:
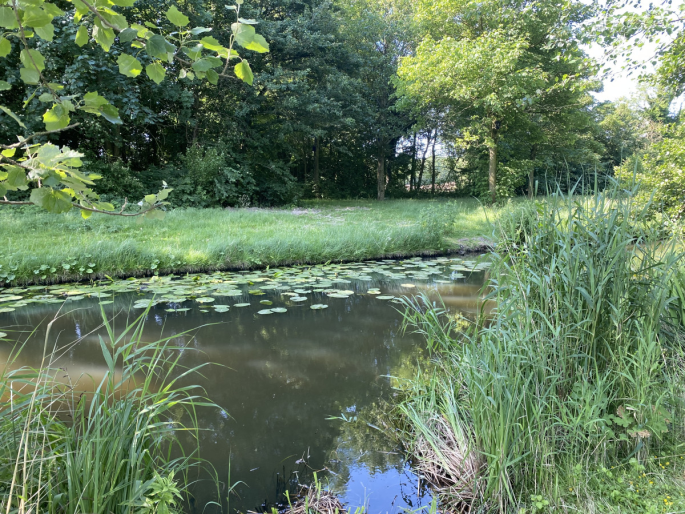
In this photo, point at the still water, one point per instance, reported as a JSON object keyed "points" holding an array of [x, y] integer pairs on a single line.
{"points": [[298, 389]]}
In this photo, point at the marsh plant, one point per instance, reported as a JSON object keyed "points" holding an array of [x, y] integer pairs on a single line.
{"points": [[578, 370], [106, 445]]}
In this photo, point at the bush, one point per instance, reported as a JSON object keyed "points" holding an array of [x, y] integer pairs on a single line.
{"points": [[660, 173]]}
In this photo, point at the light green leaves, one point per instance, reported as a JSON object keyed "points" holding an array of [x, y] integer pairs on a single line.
{"points": [[246, 37], [5, 47], [129, 65], [98, 105], [35, 17], [7, 18], [32, 59], [103, 36], [4, 85], [244, 72], [81, 36], [29, 75], [57, 117], [156, 72], [12, 115], [177, 17], [157, 47], [51, 200]]}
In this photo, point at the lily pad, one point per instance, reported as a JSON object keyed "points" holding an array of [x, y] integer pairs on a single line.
{"points": [[408, 285], [107, 302], [265, 311], [337, 295], [204, 299], [318, 306], [279, 309], [2, 334], [184, 309], [385, 297], [6, 309], [241, 305], [266, 302], [221, 308], [298, 298]]}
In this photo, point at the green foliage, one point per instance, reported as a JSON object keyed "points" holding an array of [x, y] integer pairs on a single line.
{"points": [[58, 185], [111, 452], [579, 365], [659, 172]]}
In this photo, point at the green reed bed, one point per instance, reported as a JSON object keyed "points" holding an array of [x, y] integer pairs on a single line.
{"points": [[110, 445], [38, 247], [569, 399]]}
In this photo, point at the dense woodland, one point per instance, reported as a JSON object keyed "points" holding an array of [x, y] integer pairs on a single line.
{"points": [[360, 99]]}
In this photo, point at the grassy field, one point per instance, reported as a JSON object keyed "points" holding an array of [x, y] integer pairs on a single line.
{"points": [[40, 247]]}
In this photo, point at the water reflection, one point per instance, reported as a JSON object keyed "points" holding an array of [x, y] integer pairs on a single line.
{"points": [[277, 379]]}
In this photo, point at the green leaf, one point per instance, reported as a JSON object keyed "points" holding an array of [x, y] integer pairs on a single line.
{"points": [[211, 43], [32, 59], [56, 118], [103, 36], [156, 72], [5, 47], [46, 98], [7, 18], [124, 3], [128, 35], [243, 33], [258, 44], [35, 17], [51, 200], [29, 75], [11, 114], [244, 72], [47, 32], [156, 47], [129, 65], [202, 65], [4, 86], [16, 179], [199, 30], [111, 114], [81, 36], [212, 77], [177, 17]]}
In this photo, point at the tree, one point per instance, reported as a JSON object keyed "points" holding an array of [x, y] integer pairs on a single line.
{"points": [[488, 67], [169, 46]]}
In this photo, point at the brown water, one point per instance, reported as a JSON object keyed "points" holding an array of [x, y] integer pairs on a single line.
{"points": [[280, 376]]}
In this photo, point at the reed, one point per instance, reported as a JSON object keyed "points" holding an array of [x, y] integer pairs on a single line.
{"points": [[579, 369], [112, 448]]}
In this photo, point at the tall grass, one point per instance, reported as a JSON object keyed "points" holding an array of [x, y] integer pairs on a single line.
{"points": [[104, 447], [579, 369]]}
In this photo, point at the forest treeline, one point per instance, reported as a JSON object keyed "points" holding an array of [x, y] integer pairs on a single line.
{"points": [[357, 99]]}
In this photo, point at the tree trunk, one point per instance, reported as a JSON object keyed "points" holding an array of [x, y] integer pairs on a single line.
{"points": [[412, 178], [531, 173], [492, 169], [423, 161], [380, 171], [433, 164], [306, 153], [317, 144]]}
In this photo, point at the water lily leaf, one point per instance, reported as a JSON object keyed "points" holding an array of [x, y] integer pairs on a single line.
{"points": [[184, 309], [6, 309], [408, 285], [241, 305], [279, 309], [265, 311], [318, 306], [298, 298], [107, 302], [2, 334], [204, 299], [337, 295], [385, 297], [221, 308], [266, 302]]}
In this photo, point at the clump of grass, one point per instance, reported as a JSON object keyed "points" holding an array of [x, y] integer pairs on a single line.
{"points": [[316, 499], [579, 368], [64, 449]]}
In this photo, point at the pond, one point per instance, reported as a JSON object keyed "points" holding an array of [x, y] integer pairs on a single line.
{"points": [[303, 360]]}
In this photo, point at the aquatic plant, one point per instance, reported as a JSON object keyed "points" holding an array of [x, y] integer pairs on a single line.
{"points": [[579, 367], [99, 446]]}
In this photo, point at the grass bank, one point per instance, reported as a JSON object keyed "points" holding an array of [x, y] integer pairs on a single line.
{"points": [[41, 247], [570, 398]]}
